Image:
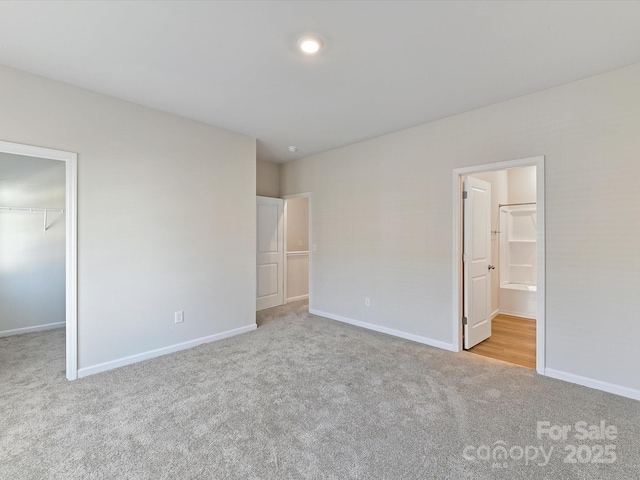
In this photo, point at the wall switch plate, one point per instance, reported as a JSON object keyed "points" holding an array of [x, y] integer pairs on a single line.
{"points": [[367, 302], [179, 316]]}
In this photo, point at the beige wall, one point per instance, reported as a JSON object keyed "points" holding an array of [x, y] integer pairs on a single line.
{"points": [[297, 241], [383, 219], [166, 215], [298, 224], [267, 179], [522, 185], [297, 276]]}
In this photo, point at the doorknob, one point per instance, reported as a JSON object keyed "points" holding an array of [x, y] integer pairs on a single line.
{"points": [[492, 267]]}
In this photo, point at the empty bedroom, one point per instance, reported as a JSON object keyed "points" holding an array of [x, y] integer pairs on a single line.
{"points": [[319, 240]]}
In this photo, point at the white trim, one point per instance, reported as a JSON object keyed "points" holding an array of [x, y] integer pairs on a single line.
{"points": [[458, 173], [72, 267], [592, 383], [389, 331], [286, 254], [297, 254], [37, 328], [33, 151], [299, 297], [517, 314], [121, 362], [293, 255], [71, 198], [285, 260], [297, 195], [495, 314], [541, 268]]}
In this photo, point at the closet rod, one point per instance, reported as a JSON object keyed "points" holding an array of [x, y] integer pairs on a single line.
{"points": [[500, 205], [34, 210], [28, 209]]}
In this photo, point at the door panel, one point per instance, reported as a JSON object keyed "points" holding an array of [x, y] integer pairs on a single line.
{"points": [[477, 249], [267, 231], [267, 280], [270, 252]]}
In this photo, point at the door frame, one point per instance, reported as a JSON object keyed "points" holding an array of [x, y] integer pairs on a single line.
{"points": [[285, 198], [458, 173], [71, 241]]}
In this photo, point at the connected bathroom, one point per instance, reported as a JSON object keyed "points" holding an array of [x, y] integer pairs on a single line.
{"points": [[513, 241], [502, 213]]}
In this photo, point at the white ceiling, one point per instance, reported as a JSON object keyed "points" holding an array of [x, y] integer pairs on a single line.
{"points": [[385, 66]]}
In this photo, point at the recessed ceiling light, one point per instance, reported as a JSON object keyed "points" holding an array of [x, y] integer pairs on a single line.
{"points": [[310, 45], [292, 148]]}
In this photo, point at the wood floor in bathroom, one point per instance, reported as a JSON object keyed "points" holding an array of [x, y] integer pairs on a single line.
{"points": [[513, 340]]}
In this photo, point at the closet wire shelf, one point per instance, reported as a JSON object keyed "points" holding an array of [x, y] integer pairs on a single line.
{"points": [[44, 211]]}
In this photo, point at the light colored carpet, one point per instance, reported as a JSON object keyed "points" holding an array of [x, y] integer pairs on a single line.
{"points": [[301, 397]]}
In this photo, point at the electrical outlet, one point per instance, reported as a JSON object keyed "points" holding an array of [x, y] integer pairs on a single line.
{"points": [[367, 302], [300, 243], [179, 316]]}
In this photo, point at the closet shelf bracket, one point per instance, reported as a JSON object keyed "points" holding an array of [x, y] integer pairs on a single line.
{"points": [[45, 212]]}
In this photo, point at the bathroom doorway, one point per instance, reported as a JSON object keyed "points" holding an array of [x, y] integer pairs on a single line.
{"points": [[293, 235], [297, 237], [499, 228]]}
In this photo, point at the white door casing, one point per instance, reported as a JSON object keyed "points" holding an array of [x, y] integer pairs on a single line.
{"points": [[270, 252], [457, 270], [71, 237], [477, 261]]}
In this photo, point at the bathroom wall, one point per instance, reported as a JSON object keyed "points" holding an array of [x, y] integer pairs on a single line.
{"points": [[517, 185], [298, 224], [521, 302], [297, 248], [522, 185]]}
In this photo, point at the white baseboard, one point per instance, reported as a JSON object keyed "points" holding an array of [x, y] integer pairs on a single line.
{"points": [[592, 383], [37, 328], [495, 314], [121, 362], [388, 331], [295, 299], [517, 314]]}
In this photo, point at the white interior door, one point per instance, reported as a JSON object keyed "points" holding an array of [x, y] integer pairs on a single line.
{"points": [[270, 253], [477, 261]]}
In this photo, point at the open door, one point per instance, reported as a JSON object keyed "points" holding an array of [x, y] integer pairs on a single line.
{"points": [[477, 261], [270, 252]]}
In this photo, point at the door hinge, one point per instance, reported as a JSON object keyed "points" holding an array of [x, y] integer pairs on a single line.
{"points": [[464, 195], [464, 257], [464, 320]]}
